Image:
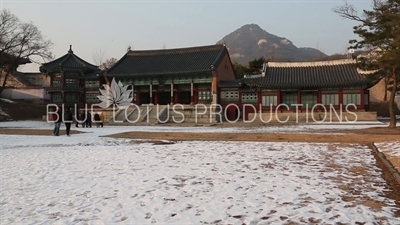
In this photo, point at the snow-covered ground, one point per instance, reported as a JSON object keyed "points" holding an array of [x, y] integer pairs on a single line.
{"points": [[267, 128], [90, 179]]}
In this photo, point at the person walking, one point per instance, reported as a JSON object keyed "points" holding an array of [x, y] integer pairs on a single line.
{"points": [[57, 122], [77, 118], [88, 119], [83, 119], [97, 119], [101, 119], [68, 120]]}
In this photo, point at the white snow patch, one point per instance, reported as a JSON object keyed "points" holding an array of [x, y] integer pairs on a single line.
{"points": [[285, 41], [261, 41], [6, 100], [389, 148], [237, 55], [2, 113], [275, 45]]}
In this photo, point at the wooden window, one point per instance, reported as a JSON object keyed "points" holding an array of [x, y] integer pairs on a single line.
{"points": [[72, 97], [229, 95], [309, 99], [91, 83], [92, 97], [57, 83], [351, 99], [205, 95], [328, 99], [249, 97], [57, 97], [289, 99], [271, 100]]}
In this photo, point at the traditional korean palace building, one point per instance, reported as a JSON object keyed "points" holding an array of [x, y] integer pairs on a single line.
{"points": [[300, 86], [205, 75], [171, 76]]}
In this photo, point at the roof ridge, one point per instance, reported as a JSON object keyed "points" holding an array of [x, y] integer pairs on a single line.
{"points": [[312, 64], [176, 50]]}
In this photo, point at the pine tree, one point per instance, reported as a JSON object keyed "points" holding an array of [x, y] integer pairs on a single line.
{"points": [[380, 30]]}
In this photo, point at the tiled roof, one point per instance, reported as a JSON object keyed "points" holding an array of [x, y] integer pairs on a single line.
{"points": [[341, 73], [69, 60], [230, 83], [169, 61]]}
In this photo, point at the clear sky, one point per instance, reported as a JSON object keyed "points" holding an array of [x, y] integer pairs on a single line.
{"points": [[111, 26]]}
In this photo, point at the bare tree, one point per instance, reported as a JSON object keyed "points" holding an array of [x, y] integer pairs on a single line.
{"points": [[108, 63], [19, 41], [99, 57], [102, 61]]}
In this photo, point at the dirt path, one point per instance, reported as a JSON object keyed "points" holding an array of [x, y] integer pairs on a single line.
{"points": [[363, 136], [268, 137], [15, 131]]}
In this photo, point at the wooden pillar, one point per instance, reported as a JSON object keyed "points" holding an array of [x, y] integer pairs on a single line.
{"points": [[214, 88], [299, 99], [172, 93], [362, 100], [319, 99], [151, 92], [341, 98], [191, 92]]}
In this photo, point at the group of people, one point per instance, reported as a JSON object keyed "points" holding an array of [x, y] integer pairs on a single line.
{"points": [[85, 119]]}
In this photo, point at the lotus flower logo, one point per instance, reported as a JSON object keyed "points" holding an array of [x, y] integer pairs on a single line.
{"points": [[116, 94]]}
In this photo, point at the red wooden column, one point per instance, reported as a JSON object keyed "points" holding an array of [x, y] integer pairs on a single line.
{"points": [[138, 97], [340, 97], [299, 99], [362, 102]]}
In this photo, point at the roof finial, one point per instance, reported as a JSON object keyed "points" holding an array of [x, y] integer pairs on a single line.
{"points": [[70, 49]]}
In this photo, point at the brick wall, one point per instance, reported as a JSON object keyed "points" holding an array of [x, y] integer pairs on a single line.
{"points": [[377, 92]]}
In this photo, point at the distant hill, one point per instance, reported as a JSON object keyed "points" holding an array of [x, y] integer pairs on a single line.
{"points": [[250, 42]]}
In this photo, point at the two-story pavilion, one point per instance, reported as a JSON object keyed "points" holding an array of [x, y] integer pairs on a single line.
{"points": [[169, 76], [73, 81]]}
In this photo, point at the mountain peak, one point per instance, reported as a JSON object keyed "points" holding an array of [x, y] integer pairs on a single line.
{"points": [[250, 42]]}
